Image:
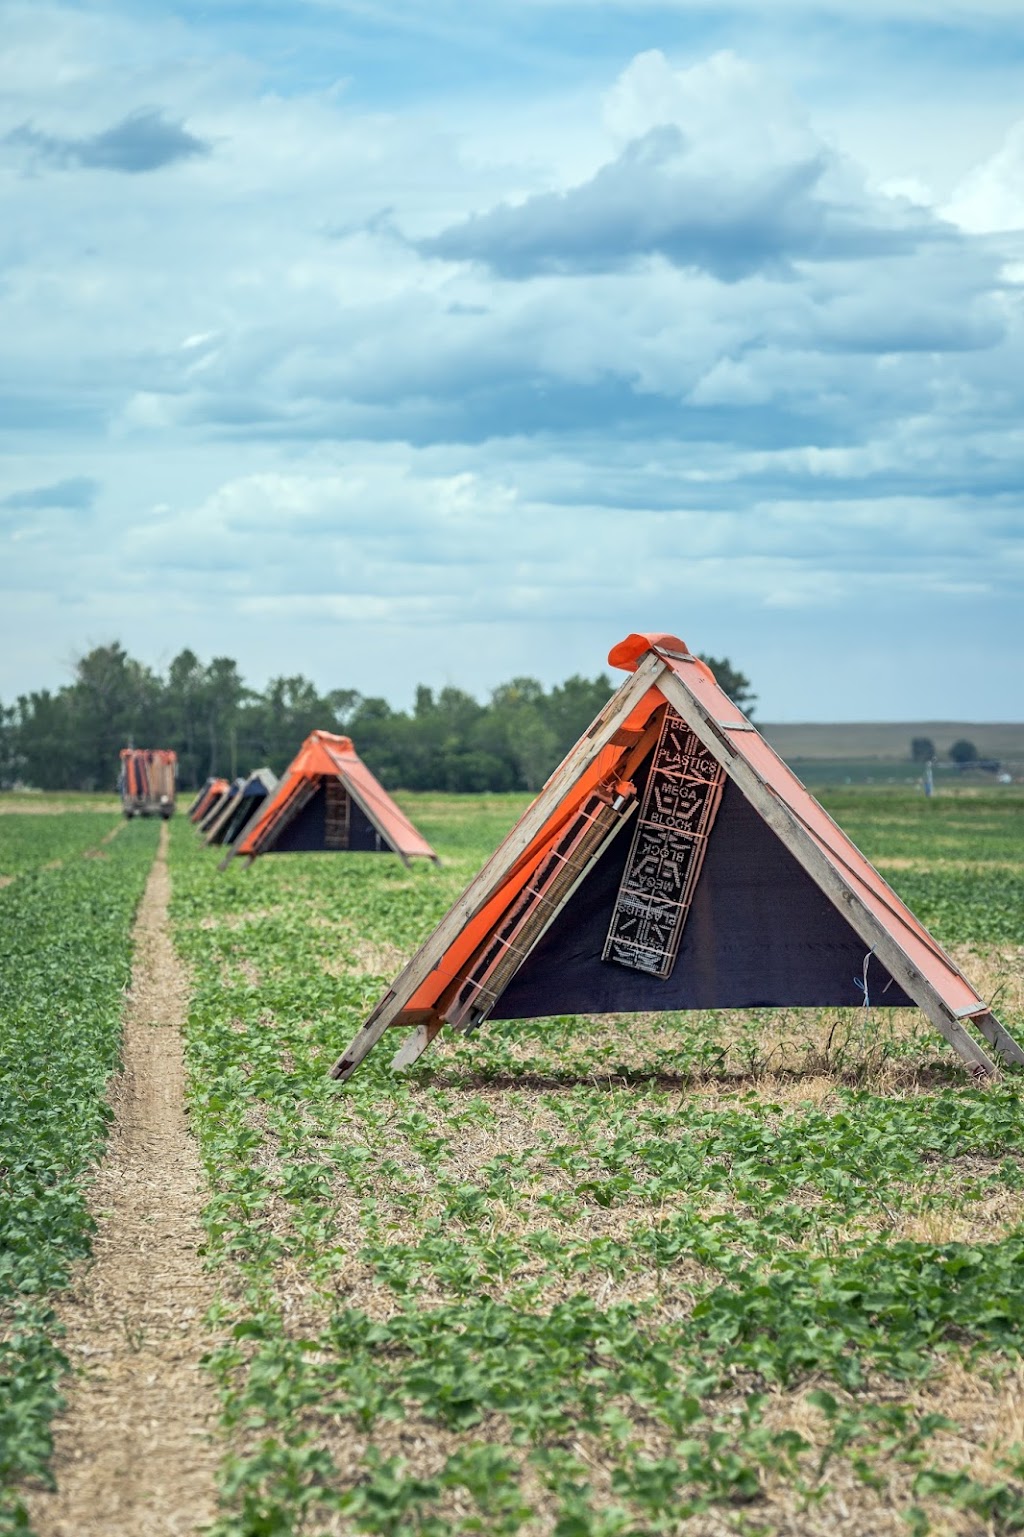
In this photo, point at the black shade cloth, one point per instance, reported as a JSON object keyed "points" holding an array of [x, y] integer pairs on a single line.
{"points": [[760, 934], [249, 806], [307, 831]]}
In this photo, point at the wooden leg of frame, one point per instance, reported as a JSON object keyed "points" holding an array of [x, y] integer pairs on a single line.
{"points": [[415, 1044], [998, 1037], [976, 1059], [378, 1022]]}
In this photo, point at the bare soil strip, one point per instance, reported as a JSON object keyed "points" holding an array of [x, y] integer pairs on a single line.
{"points": [[134, 1449]]}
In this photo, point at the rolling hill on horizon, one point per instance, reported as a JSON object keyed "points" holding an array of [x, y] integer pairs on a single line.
{"points": [[889, 741]]}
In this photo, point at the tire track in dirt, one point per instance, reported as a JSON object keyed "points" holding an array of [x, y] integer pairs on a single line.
{"points": [[134, 1454]]}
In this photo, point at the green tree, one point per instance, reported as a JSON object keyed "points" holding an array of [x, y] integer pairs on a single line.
{"points": [[519, 733], [571, 706], [183, 716], [220, 698], [113, 702], [10, 750], [922, 749], [45, 745], [963, 752]]}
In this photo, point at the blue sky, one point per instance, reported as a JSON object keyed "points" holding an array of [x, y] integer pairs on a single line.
{"points": [[393, 342]]}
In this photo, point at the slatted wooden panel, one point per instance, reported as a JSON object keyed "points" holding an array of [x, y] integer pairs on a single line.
{"points": [[336, 815], [681, 800]]}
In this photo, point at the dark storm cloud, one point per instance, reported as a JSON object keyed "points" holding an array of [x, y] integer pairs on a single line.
{"points": [[143, 141], [76, 494], [657, 198]]}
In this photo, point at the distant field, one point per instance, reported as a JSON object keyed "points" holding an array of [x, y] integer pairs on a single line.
{"points": [[821, 772], [856, 741], [47, 803]]}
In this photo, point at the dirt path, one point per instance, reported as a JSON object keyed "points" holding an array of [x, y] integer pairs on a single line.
{"points": [[134, 1456]]}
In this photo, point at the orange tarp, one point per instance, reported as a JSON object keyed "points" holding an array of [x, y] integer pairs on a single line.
{"points": [[148, 772], [326, 756], [213, 792], [923, 951]]}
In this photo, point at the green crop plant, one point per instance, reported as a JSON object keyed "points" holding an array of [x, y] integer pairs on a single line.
{"points": [[595, 1277], [65, 960], [29, 842]]}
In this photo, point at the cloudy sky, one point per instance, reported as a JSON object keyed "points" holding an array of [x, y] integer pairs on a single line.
{"points": [[417, 340]]}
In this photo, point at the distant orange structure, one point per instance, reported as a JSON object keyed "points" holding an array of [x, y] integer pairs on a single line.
{"points": [[673, 861], [328, 799], [148, 781], [227, 819], [216, 805], [194, 802], [207, 797]]}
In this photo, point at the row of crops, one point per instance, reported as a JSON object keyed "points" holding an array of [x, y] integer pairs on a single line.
{"points": [[65, 959], [698, 1273], [727, 1272], [28, 842]]}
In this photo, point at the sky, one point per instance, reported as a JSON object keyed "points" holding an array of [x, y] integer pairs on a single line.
{"points": [[412, 341]]}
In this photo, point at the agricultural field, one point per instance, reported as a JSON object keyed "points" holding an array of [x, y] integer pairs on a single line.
{"points": [[33, 842], [713, 1273], [65, 960], [701, 1274], [34, 802]]}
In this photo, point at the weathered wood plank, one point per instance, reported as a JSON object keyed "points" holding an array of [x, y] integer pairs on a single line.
{"points": [[415, 1045]]}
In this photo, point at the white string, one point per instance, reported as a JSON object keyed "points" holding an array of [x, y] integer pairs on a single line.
{"points": [[861, 982]]}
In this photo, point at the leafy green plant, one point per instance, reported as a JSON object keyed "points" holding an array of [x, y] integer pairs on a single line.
{"points": [[65, 960], [591, 1257]]}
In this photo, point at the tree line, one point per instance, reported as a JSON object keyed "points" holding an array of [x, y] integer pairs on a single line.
{"points": [[70, 739]]}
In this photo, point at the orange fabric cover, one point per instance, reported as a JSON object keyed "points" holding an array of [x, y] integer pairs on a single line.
{"points": [[323, 753], [628, 654], [214, 792], [697, 677], [917, 944], [479, 925], [136, 762]]}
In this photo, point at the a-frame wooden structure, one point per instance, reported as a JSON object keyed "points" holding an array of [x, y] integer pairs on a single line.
{"points": [[217, 806], [233, 816], [329, 800], [210, 794], [674, 861], [199, 796]]}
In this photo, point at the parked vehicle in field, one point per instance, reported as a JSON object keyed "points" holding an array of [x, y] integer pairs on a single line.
{"points": [[147, 781]]}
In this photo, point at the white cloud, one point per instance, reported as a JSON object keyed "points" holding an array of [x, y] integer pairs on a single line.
{"points": [[734, 111], [286, 422], [991, 198]]}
